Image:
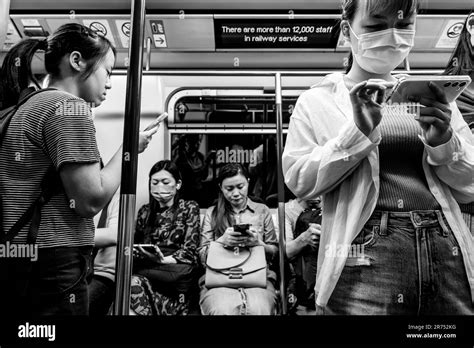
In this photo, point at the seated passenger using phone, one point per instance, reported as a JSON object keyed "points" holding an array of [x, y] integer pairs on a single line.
{"points": [[236, 221], [166, 239]]}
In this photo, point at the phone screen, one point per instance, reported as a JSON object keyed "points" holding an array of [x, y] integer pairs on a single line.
{"points": [[157, 121], [242, 228]]}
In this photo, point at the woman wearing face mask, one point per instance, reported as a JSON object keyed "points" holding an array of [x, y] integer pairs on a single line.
{"points": [[462, 63], [234, 206], [53, 132], [164, 276], [393, 240]]}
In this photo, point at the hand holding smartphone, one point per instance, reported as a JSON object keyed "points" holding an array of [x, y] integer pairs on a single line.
{"points": [[243, 229], [410, 86], [149, 250], [157, 121]]}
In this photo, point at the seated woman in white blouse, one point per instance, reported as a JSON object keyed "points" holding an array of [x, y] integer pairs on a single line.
{"points": [[234, 206]]}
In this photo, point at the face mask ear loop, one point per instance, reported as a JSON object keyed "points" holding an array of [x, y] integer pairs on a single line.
{"points": [[352, 31]]}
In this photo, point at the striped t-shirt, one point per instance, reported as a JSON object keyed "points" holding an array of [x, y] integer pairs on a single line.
{"points": [[52, 127]]}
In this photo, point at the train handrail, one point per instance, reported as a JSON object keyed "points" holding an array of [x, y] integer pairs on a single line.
{"points": [[124, 258]]}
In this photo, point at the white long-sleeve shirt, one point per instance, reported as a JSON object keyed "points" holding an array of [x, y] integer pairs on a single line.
{"points": [[326, 154], [104, 263]]}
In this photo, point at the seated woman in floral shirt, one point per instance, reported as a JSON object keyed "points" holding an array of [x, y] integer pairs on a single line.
{"points": [[163, 276]]}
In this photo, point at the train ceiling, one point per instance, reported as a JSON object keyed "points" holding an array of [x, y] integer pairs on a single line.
{"points": [[235, 34], [303, 5]]}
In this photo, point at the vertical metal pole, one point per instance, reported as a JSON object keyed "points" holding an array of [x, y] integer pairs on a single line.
{"points": [[130, 160], [281, 190]]}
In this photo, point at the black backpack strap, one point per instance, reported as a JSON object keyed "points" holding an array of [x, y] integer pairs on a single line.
{"points": [[49, 187], [7, 114]]}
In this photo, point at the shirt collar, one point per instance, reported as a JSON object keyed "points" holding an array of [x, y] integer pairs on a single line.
{"points": [[251, 205]]}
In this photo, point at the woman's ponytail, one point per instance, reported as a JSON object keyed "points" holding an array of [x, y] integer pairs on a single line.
{"points": [[16, 73]]}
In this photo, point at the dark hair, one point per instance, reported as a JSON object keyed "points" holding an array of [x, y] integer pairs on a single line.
{"points": [[349, 9], [16, 72], [222, 214], [462, 58], [154, 205]]}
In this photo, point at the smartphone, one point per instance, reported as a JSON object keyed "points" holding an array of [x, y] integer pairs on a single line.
{"points": [[452, 86], [151, 248], [243, 229], [157, 121]]}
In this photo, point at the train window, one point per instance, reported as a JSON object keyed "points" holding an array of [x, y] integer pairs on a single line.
{"points": [[210, 128], [200, 156], [231, 110], [228, 109]]}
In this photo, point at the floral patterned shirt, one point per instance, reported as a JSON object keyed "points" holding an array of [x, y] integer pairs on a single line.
{"points": [[183, 234]]}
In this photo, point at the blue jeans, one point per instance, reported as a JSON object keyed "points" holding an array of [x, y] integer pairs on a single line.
{"points": [[54, 284], [405, 263]]}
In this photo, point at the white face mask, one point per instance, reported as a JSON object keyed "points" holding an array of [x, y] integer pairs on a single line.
{"points": [[382, 51]]}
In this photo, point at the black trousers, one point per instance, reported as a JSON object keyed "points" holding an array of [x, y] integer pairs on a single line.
{"points": [[101, 295], [54, 284]]}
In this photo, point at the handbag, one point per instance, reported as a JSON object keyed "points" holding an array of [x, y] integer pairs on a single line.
{"points": [[235, 268]]}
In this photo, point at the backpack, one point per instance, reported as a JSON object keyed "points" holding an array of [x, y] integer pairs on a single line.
{"points": [[49, 185]]}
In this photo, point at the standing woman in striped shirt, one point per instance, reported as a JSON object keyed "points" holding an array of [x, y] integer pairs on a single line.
{"points": [[54, 128], [393, 240]]}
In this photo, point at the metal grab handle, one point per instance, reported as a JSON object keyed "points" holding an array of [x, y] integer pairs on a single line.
{"points": [[281, 191], [148, 54], [406, 64]]}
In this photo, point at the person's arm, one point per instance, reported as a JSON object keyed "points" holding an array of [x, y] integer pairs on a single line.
{"points": [[107, 236], [207, 236], [308, 237], [88, 187], [187, 254], [311, 169], [453, 161], [140, 226], [268, 239]]}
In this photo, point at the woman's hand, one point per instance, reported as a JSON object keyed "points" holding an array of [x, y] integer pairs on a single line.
{"points": [[254, 238], [311, 236], [144, 138], [367, 98], [435, 117], [232, 238], [141, 253]]}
